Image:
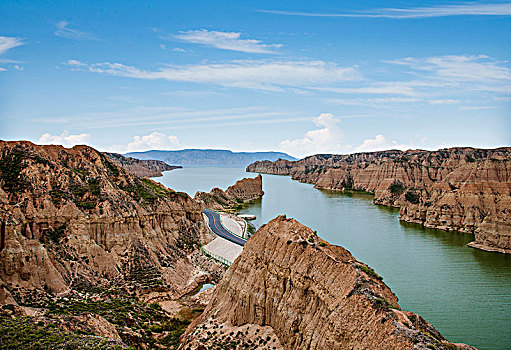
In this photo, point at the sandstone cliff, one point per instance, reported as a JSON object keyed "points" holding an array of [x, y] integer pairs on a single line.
{"points": [[290, 289], [243, 191], [80, 235], [143, 168], [463, 189]]}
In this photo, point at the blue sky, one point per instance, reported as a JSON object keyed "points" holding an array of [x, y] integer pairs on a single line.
{"points": [[298, 77]]}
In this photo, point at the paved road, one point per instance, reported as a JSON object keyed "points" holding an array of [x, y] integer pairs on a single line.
{"points": [[217, 227]]}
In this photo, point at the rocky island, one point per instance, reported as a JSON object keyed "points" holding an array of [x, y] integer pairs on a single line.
{"points": [[462, 188]]}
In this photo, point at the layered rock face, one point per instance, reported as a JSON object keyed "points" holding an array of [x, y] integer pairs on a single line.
{"points": [[243, 191], [463, 189], [290, 289], [70, 219], [143, 168]]}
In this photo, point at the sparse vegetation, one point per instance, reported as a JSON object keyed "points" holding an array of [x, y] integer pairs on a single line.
{"points": [[347, 183], [24, 333], [370, 271], [412, 196], [10, 171], [396, 188]]}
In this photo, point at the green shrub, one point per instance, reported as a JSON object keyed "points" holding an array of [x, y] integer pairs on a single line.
{"points": [[396, 188], [370, 271], [93, 185], [412, 197]]}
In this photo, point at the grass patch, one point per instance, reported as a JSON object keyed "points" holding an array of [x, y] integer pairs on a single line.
{"points": [[396, 188], [412, 197], [370, 271], [23, 333]]}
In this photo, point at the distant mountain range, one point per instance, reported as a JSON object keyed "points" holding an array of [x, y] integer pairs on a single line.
{"points": [[209, 157]]}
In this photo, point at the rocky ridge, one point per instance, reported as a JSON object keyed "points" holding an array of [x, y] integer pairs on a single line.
{"points": [[80, 236], [242, 192], [289, 289], [209, 157], [143, 168], [462, 189]]}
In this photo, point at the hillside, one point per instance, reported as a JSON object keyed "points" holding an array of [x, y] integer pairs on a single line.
{"points": [[289, 289], [86, 246], [463, 189], [209, 157]]}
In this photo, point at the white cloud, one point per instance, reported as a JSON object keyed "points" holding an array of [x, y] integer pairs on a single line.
{"points": [[446, 101], [65, 139], [154, 141], [178, 49], [373, 101], [379, 143], [475, 108], [480, 68], [7, 43], [64, 31], [75, 63], [462, 9], [252, 74], [327, 139], [226, 41]]}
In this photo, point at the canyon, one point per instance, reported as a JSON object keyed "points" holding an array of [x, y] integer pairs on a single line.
{"points": [[460, 189], [92, 255]]}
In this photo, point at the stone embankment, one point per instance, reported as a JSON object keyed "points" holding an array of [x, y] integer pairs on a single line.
{"points": [[462, 189], [289, 289]]}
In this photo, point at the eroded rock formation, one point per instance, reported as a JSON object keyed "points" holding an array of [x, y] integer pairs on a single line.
{"points": [[70, 217], [290, 289], [81, 238], [243, 191], [463, 189], [143, 168]]}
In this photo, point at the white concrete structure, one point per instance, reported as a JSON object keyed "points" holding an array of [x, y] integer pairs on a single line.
{"points": [[224, 248], [247, 216]]}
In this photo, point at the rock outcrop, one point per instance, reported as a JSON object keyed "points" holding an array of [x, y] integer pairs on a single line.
{"points": [[462, 189], [242, 192], [290, 289], [142, 168], [71, 216], [82, 237]]}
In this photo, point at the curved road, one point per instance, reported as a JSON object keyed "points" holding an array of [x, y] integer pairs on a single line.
{"points": [[216, 226]]}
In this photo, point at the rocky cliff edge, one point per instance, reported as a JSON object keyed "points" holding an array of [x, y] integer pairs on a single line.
{"points": [[290, 289]]}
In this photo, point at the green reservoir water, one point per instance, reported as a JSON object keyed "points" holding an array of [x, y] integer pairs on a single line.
{"points": [[465, 293]]}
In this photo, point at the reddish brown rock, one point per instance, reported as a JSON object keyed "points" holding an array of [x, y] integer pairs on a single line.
{"points": [[141, 167], [70, 218], [463, 189], [296, 291], [243, 191]]}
